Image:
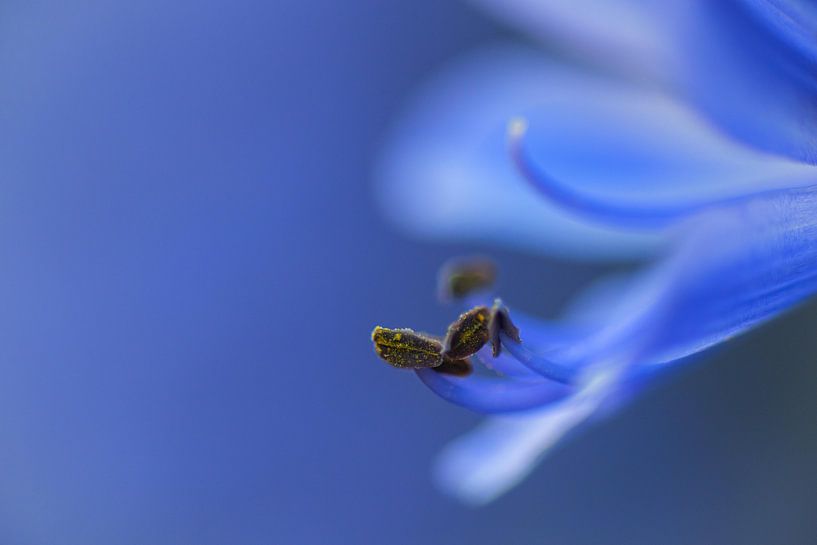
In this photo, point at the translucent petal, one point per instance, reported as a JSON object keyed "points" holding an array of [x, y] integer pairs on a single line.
{"points": [[793, 21], [447, 172], [594, 303], [732, 58], [733, 268], [636, 41], [751, 65], [485, 463]]}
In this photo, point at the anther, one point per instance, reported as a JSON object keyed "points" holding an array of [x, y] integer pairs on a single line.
{"points": [[462, 277], [468, 334], [407, 349]]}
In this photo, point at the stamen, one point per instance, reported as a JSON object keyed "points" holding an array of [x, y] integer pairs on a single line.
{"points": [[462, 277], [621, 214], [457, 368], [405, 348], [500, 322], [468, 334], [494, 395], [504, 365], [559, 372]]}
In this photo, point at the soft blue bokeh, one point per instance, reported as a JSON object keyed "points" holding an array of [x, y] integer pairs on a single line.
{"points": [[191, 264]]}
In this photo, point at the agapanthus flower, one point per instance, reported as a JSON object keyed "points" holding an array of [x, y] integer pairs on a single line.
{"points": [[689, 139]]}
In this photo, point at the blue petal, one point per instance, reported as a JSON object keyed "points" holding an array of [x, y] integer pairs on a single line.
{"points": [[794, 22], [733, 268], [595, 302], [751, 65], [636, 41], [447, 173], [487, 462]]}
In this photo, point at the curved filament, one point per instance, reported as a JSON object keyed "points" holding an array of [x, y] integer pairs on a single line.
{"points": [[493, 395], [557, 371], [623, 215]]}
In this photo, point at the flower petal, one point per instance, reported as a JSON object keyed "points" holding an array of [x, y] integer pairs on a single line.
{"points": [[635, 42], [733, 58], [501, 452], [751, 65], [793, 21], [447, 173], [733, 268]]}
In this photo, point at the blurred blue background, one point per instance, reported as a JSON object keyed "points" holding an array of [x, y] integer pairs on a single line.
{"points": [[190, 266]]}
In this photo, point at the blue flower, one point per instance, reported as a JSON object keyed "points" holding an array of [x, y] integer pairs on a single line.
{"points": [[693, 147]]}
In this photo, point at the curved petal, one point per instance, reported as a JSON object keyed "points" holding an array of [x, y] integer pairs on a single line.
{"points": [[794, 22], [734, 268], [594, 303], [751, 66], [763, 263], [447, 172], [501, 452], [636, 42]]}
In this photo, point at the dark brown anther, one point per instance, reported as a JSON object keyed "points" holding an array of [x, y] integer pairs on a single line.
{"points": [[468, 334], [500, 322], [460, 277], [458, 368], [407, 349]]}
